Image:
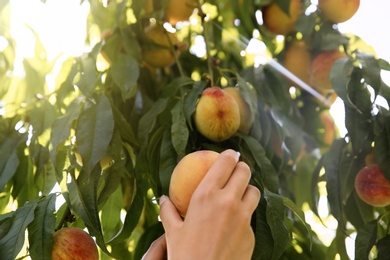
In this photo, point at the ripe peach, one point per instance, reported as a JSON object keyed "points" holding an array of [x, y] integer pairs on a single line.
{"points": [[160, 53], [320, 72], [338, 11], [372, 186], [187, 175], [277, 21], [217, 114], [297, 60], [246, 116], [73, 244], [179, 10]]}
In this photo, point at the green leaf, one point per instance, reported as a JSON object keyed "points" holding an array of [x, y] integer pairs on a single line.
{"points": [[60, 129], [192, 99], [275, 220], [365, 240], [9, 160], [125, 73], [12, 242], [371, 70], [40, 230], [41, 117], [382, 141], [340, 75], [147, 238], [168, 161], [88, 74], [383, 247], [179, 130], [83, 200], [94, 131], [110, 213], [124, 128], [264, 245]]}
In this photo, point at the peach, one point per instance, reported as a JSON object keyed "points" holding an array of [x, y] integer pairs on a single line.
{"points": [[246, 116], [217, 115], [179, 10], [297, 60], [320, 72], [73, 244], [160, 53], [372, 186], [187, 175], [338, 11], [277, 21]]}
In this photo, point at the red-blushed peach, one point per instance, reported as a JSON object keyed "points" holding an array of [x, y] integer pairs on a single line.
{"points": [[320, 68], [277, 21], [217, 114], [73, 244], [338, 11], [187, 175], [372, 186], [246, 116]]}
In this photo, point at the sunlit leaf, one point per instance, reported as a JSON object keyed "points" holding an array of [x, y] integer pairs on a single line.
{"points": [[125, 73], [12, 242], [179, 130], [41, 229]]}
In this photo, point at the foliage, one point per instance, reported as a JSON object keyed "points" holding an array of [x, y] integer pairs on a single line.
{"points": [[97, 151]]}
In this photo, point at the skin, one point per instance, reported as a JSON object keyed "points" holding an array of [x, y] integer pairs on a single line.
{"points": [[217, 224]]}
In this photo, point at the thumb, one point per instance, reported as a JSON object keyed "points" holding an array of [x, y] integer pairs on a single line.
{"points": [[168, 213]]}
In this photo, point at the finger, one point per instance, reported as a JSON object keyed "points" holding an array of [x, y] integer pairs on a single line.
{"points": [[251, 197], [157, 250], [238, 182], [221, 170], [169, 216]]}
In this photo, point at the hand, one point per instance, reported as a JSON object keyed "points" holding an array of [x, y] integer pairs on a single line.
{"points": [[157, 250], [217, 224]]}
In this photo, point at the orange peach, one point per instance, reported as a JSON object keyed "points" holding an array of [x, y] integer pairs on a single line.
{"points": [[338, 11], [297, 60], [330, 132], [372, 186], [187, 175], [277, 21], [320, 72], [73, 244], [246, 116], [160, 52], [179, 10], [217, 114]]}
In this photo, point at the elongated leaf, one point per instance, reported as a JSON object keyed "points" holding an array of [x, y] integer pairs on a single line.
{"points": [[365, 240], [371, 70], [12, 242], [124, 128], [88, 75], [94, 131], [275, 220], [168, 161], [42, 116], [125, 73], [383, 247], [8, 158], [110, 214], [179, 130], [191, 100], [40, 230], [83, 200], [60, 129], [264, 245]]}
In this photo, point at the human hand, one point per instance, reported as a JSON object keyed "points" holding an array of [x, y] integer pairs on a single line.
{"points": [[157, 250], [217, 224]]}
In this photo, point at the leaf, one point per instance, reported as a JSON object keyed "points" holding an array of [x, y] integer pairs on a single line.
{"points": [[383, 247], [191, 100], [365, 240], [371, 70], [275, 220], [40, 230], [147, 238], [179, 130], [125, 73], [331, 164], [12, 242], [264, 245], [340, 76], [168, 161], [82, 196], [110, 213], [94, 131], [124, 128], [88, 75], [9, 160], [382, 141], [41, 117], [60, 129]]}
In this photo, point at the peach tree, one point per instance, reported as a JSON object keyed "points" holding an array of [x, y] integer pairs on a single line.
{"points": [[98, 150]]}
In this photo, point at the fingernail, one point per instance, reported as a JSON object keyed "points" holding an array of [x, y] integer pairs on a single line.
{"points": [[162, 199], [238, 155]]}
